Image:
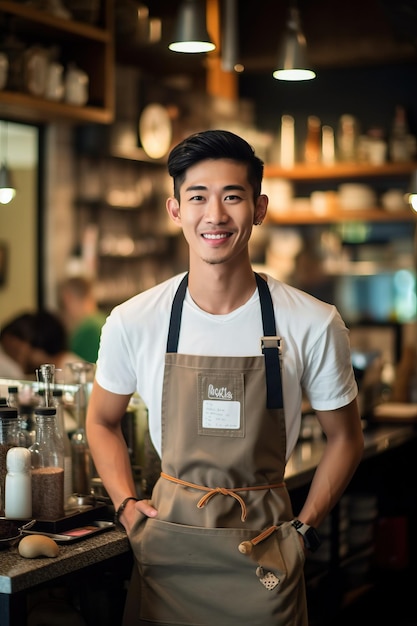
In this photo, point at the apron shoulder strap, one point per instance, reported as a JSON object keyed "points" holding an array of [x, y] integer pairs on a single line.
{"points": [[176, 312], [270, 347]]}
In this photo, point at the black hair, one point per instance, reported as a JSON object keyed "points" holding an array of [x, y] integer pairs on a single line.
{"points": [[49, 333], [214, 144], [20, 327]]}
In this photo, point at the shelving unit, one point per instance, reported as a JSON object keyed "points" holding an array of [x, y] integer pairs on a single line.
{"points": [[307, 175], [135, 247], [90, 47], [305, 172]]}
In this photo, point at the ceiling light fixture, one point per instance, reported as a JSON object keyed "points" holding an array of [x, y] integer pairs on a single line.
{"points": [[292, 58], [7, 189], [191, 34], [230, 38]]}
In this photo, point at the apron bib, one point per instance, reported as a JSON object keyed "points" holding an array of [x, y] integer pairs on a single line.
{"points": [[222, 549]]}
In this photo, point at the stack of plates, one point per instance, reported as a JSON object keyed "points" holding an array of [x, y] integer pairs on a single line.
{"points": [[356, 196]]}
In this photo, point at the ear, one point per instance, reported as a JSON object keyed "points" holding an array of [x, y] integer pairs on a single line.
{"points": [[173, 209], [260, 209]]}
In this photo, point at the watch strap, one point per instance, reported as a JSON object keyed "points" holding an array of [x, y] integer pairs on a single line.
{"points": [[122, 507], [309, 534]]}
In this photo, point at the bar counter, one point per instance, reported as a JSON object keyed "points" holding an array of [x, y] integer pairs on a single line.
{"points": [[19, 576]]}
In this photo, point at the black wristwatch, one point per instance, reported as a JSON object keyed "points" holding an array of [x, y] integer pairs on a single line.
{"points": [[309, 534]]}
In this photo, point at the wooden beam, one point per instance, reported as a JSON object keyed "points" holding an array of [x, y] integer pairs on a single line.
{"points": [[219, 83]]}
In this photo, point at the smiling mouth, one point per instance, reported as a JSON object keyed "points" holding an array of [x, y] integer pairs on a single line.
{"points": [[216, 236]]}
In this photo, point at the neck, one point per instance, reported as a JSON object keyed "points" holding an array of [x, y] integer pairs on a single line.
{"points": [[220, 290]]}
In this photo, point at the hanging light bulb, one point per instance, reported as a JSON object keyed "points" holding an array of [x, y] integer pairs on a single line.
{"points": [[412, 194], [7, 189], [292, 59], [191, 34]]}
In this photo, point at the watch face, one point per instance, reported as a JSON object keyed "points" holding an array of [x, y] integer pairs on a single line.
{"points": [[155, 130]]}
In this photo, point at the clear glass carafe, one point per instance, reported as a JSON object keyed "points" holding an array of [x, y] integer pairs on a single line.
{"points": [[47, 466]]}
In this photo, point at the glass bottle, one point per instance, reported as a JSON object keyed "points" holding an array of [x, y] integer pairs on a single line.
{"points": [[27, 425], [82, 465], [312, 150], [398, 142], [9, 438], [347, 138], [68, 490], [47, 466]]}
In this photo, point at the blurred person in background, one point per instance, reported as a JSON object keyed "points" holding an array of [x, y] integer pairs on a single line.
{"points": [[8, 367], [50, 342], [34, 338], [81, 316], [15, 341]]}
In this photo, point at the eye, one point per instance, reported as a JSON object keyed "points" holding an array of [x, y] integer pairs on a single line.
{"points": [[232, 198], [196, 198]]}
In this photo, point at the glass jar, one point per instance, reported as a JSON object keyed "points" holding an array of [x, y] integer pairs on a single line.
{"points": [[68, 490], [47, 466], [9, 438]]}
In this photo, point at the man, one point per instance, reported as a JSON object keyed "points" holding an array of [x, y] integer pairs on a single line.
{"points": [[221, 357], [82, 316]]}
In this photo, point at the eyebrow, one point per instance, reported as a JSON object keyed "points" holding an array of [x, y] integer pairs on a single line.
{"points": [[226, 188]]}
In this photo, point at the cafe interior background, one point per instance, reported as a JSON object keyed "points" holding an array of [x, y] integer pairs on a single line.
{"points": [[77, 105], [92, 99]]}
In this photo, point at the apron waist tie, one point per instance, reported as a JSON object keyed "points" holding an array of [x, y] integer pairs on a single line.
{"points": [[223, 490]]}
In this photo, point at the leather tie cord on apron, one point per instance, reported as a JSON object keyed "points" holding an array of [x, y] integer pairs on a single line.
{"points": [[270, 343], [223, 490]]}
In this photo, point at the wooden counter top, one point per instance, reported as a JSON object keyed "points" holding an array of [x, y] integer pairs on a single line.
{"points": [[307, 454], [18, 573]]}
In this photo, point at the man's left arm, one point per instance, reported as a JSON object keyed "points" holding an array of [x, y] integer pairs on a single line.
{"points": [[343, 452]]}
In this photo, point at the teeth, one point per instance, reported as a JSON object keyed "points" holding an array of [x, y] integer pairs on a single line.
{"points": [[219, 236]]}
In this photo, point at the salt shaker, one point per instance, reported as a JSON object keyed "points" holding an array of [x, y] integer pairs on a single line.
{"points": [[18, 486], [9, 438]]}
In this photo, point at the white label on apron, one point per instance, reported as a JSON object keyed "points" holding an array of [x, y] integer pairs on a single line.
{"points": [[221, 414]]}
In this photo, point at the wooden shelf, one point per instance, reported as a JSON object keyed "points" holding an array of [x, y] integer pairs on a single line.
{"points": [[304, 172], [90, 47], [54, 23], [25, 107], [371, 215]]}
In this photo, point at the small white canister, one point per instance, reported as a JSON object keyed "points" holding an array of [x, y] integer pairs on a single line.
{"points": [[18, 486]]}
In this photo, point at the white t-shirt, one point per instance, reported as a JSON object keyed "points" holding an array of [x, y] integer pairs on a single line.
{"points": [[315, 357]]}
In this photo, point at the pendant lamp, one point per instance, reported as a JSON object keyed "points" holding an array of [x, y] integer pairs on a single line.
{"points": [[292, 58], [230, 38], [191, 34], [7, 189]]}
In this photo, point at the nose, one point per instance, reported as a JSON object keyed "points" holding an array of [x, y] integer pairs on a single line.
{"points": [[215, 212]]}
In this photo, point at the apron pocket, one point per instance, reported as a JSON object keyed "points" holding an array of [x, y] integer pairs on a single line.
{"points": [[193, 576]]}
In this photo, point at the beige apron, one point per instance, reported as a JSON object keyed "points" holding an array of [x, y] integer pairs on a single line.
{"points": [[221, 550]]}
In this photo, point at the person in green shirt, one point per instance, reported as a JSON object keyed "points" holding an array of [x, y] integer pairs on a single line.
{"points": [[82, 316]]}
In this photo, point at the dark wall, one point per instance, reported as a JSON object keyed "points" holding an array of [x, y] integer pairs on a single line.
{"points": [[368, 93]]}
